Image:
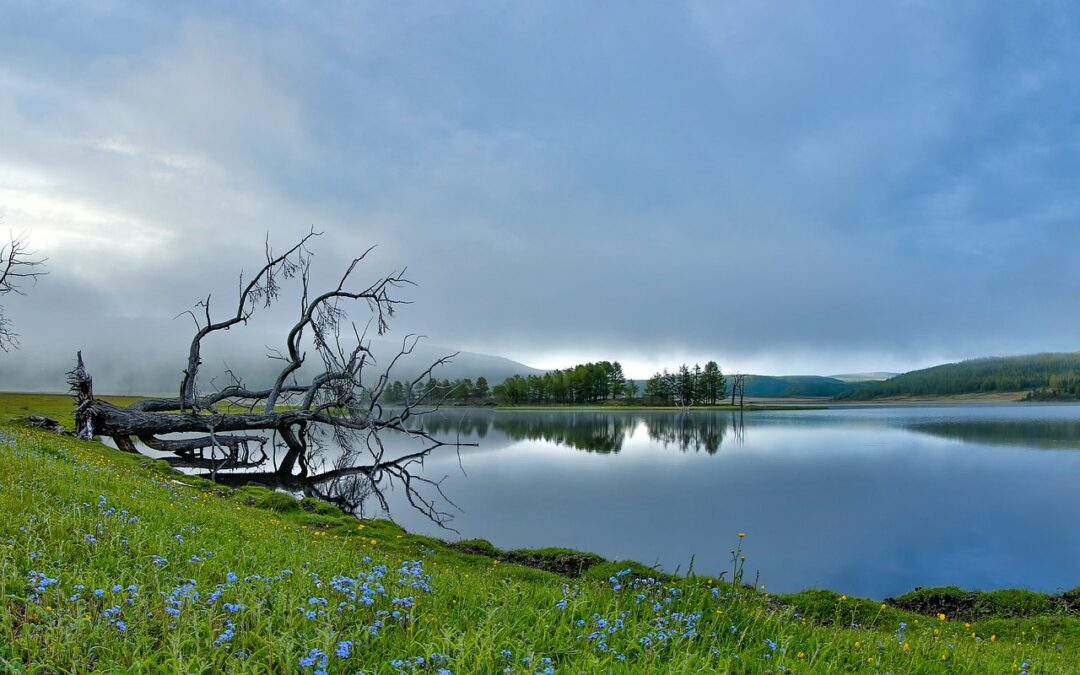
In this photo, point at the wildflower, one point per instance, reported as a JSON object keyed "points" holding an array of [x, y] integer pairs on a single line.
{"points": [[941, 617], [315, 656], [742, 535], [226, 635], [561, 604], [344, 649]]}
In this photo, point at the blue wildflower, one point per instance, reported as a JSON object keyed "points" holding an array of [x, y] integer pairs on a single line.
{"points": [[315, 656], [227, 634]]}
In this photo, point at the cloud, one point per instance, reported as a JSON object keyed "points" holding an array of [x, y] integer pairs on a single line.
{"points": [[816, 188]]}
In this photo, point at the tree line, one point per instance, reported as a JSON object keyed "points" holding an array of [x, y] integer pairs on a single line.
{"points": [[690, 385], [585, 383], [463, 389], [580, 384]]}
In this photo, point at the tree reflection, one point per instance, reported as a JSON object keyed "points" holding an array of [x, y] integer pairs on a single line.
{"points": [[600, 432]]}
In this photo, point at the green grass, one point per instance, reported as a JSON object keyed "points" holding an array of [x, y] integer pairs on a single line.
{"points": [[83, 514]]}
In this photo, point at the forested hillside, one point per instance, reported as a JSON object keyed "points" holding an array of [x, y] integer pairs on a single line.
{"points": [[797, 386], [1047, 375]]}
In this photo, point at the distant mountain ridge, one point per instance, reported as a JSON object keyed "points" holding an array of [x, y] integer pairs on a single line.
{"points": [[1047, 372], [797, 386], [787, 386], [158, 371], [871, 376]]}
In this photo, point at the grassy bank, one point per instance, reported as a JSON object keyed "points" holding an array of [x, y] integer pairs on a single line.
{"points": [[111, 562]]}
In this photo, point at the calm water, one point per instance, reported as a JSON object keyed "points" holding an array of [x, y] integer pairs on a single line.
{"points": [[867, 501]]}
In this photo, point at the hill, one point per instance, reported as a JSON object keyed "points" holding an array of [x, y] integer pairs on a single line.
{"points": [[1049, 375], [156, 370], [788, 386], [871, 376], [797, 386]]}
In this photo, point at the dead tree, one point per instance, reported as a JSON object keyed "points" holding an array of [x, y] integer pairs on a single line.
{"points": [[18, 266], [235, 432], [738, 387]]}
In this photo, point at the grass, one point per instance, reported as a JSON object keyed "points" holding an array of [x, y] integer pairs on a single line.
{"points": [[113, 562]]}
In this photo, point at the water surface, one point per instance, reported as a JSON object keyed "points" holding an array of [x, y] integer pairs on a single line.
{"points": [[870, 501]]}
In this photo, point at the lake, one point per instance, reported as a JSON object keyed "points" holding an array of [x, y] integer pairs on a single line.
{"points": [[869, 501]]}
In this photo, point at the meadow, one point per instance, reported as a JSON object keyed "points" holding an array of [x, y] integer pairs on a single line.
{"points": [[116, 562]]}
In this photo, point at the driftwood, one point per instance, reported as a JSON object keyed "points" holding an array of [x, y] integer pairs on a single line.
{"points": [[228, 430], [46, 424]]}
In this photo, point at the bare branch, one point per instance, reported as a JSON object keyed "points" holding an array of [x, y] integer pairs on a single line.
{"points": [[339, 410], [18, 266]]}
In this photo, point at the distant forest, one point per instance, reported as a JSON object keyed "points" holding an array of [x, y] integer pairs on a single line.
{"points": [[1044, 376], [604, 381], [583, 383]]}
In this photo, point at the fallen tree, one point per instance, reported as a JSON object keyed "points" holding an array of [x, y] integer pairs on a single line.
{"points": [[234, 432]]}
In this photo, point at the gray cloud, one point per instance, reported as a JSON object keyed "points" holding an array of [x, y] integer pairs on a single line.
{"points": [[809, 188]]}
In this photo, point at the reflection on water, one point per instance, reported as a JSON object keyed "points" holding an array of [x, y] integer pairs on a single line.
{"points": [[1048, 434], [597, 431], [867, 500], [706, 432]]}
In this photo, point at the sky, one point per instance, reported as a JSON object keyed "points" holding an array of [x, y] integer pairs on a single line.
{"points": [[785, 187]]}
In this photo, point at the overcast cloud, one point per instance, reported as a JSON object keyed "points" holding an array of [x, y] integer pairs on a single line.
{"points": [[809, 187]]}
